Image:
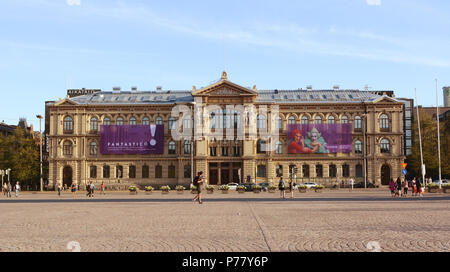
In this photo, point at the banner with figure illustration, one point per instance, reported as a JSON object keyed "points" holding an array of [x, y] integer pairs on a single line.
{"points": [[132, 139], [319, 138]]}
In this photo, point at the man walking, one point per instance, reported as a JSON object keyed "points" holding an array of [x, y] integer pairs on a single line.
{"points": [[281, 188], [59, 189], [198, 182], [8, 189], [17, 187]]}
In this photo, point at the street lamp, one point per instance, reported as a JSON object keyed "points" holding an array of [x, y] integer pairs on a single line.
{"points": [[40, 136], [192, 141]]}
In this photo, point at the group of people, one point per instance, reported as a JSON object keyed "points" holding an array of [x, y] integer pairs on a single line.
{"points": [[90, 188], [400, 187], [282, 187], [7, 188]]}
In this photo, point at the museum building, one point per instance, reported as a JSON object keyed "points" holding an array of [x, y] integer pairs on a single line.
{"points": [[368, 123]]}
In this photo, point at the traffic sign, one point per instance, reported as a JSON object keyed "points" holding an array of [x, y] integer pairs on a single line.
{"points": [[404, 171], [404, 165]]}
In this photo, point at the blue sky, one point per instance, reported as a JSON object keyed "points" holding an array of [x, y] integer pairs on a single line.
{"points": [[49, 45]]}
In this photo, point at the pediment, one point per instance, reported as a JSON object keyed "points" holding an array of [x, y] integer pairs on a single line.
{"points": [[386, 99], [65, 102], [225, 88]]}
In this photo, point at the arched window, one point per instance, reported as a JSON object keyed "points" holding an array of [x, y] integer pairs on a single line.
{"points": [[213, 120], [331, 119], [93, 148], [237, 119], [384, 122], [279, 170], [358, 146], [119, 121], [384, 146], [158, 171], [278, 123], [107, 121], [67, 148], [159, 120], [318, 120], [261, 122], [172, 147], [145, 171], [94, 124], [344, 119], [187, 147], [357, 122], [171, 171], [68, 124], [132, 121], [291, 120], [171, 123], [187, 122], [146, 121], [93, 171], [261, 146], [305, 120], [278, 148]]}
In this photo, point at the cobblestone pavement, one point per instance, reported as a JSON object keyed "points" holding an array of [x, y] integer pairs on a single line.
{"points": [[330, 221]]}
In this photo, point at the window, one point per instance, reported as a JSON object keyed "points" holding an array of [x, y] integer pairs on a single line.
{"points": [[236, 119], [318, 120], [107, 121], [305, 170], [132, 171], [224, 151], [187, 171], [332, 171], [359, 171], [106, 171], [279, 148], [171, 123], [187, 147], [68, 124], [237, 151], [345, 170], [187, 122], [344, 119], [158, 171], [357, 122], [94, 124], [132, 121], [171, 172], [67, 148], [319, 171], [213, 119], [93, 171], [358, 147], [172, 147], [146, 121], [260, 146], [331, 119], [213, 151], [119, 121], [119, 171], [279, 170], [261, 122], [145, 171], [93, 148], [384, 146], [261, 171], [291, 120], [159, 120], [384, 122], [305, 120], [278, 123]]}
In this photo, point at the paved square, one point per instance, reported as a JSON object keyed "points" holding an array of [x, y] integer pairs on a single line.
{"points": [[336, 220]]}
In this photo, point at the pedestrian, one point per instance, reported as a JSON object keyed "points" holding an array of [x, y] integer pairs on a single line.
{"points": [[59, 189], [405, 188], [88, 190], [352, 182], [430, 180], [74, 190], [198, 182], [92, 187], [398, 187], [281, 187], [419, 188], [17, 187], [291, 187], [4, 188], [102, 188], [392, 187], [8, 189]]}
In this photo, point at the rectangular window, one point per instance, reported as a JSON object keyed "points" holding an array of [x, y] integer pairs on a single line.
{"points": [[132, 171], [171, 173], [145, 171], [261, 171], [106, 171], [345, 170], [224, 151], [187, 171], [319, 171], [93, 171]]}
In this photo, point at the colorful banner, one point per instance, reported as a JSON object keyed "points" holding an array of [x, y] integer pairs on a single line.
{"points": [[319, 138], [132, 139]]}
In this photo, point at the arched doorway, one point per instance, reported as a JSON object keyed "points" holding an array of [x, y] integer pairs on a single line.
{"points": [[385, 174], [67, 176]]}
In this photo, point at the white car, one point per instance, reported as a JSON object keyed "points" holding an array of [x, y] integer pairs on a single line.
{"points": [[310, 185], [233, 186], [444, 182]]}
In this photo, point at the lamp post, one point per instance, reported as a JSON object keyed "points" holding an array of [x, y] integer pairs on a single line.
{"points": [[192, 141], [40, 136]]}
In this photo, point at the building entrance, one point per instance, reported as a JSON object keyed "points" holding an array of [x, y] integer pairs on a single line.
{"points": [[67, 176], [385, 174], [224, 172]]}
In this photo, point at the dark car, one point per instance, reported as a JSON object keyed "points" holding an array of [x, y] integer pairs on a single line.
{"points": [[361, 185], [248, 186]]}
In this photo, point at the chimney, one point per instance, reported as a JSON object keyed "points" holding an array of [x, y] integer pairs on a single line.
{"points": [[309, 87], [134, 88], [158, 88]]}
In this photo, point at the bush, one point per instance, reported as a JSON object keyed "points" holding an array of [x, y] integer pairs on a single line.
{"points": [[165, 188], [272, 187], [433, 185], [256, 187], [148, 188], [180, 188], [240, 187], [132, 188], [319, 187], [193, 188], [301, 186], [224, 187], [210, 188]]}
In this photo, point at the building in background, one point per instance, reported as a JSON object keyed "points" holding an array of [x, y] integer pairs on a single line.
{"points": [[446, 93], [408, 117]]}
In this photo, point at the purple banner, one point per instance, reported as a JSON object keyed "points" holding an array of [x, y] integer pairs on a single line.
{"points": [[132, 139], [319, 138]]}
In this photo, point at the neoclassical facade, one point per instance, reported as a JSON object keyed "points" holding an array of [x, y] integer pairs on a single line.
{"points": [[74, 136]]}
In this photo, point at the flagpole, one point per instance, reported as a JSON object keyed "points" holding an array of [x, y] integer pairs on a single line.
{"points": [[420, 139], [439, 141]]}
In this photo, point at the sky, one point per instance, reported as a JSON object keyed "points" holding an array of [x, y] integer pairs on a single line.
{"points": [[47, 46]]}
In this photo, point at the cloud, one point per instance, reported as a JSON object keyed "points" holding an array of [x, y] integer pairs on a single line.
{"points": [[373, 2], [73, 2]]}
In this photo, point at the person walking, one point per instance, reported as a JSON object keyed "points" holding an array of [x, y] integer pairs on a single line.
{"points": [[92, 189], [351, 183], [414, 187], [8, 189], [102, 188], [59, 189], [419, 187], [291, 187], [405, 188], [17, 188], [281, 188], [392, 187], [198, 182], [74, 190], [398, 187], [4, 188]]}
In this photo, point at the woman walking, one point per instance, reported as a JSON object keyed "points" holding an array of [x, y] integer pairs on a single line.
{"points": [[398, 187], [74, 190], [414, 187], [392, 187], [405, 188], [291, 187], [281, 188]]}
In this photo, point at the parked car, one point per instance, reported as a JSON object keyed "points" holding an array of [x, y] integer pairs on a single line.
{"points": [[444, 182], [232, 186], [309, 185], [248, 186], [264, 186]]}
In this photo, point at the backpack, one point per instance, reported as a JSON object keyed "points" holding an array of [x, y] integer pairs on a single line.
{"points": [[281, 184], [196, 181]]}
